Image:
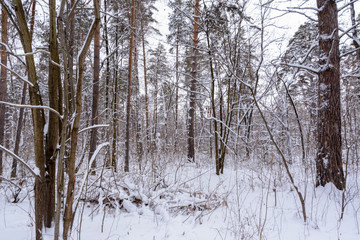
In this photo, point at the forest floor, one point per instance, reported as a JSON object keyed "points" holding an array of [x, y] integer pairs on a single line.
{"points": [[190, 202]]}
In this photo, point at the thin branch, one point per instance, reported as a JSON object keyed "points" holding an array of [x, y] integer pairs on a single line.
{"points": [[9, 181], [94, 126], [32, 107], [310, 69], [346, 32], [33, 172], [346, 5], [16, 74]]}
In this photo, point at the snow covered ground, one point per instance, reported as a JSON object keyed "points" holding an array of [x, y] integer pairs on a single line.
{"points": [[186, 201]]}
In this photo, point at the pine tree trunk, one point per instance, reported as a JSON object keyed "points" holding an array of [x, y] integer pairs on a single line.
{"points": [[146, 92], [117, 76], [328, 162], [176, 97], [107, 51], [128, 103], [95, 95], [193, 82], [3, 82], [137, 115], [115, 124]]}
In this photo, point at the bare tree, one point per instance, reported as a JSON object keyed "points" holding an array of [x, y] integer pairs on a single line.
{"points": [[69, 213], [20, 23]]}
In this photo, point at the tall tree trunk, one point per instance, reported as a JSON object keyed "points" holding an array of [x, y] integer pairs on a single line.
{"points": [[155, 112], [52, 136], [65, 126], [115, 122], [69, 214], [137, 115], [3, 82], [116, 77], [355, 43], [193, 82], [37, 116], [213, 107], [70, 60], [146, 90], [176, 96], [128, 103], [107, 51], [95, 95], [23, 98], [18, 132], [328, 161]]}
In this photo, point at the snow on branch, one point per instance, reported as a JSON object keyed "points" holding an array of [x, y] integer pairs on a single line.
{"points": [[41, 51], [9, 181], [16, 74], [347, 32], [35, 172], [346, 5], [94, 126], [310, 69], [32, 107]]}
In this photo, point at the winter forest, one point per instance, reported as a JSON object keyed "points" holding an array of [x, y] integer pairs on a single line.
{"points": [[180, 119]]}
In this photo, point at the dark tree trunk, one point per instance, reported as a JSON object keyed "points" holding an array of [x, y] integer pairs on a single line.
{"points": [[146, 90], [193, 81], [328, 160], [3, 80], [18, 132], [23, 98], [107, 51], [52, 136], [95, 95], [37, 117], [128, 103], [355, 43]]}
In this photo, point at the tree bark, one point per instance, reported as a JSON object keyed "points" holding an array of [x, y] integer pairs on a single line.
{"points": [[95, 95], [328, 161], [193, 82], [355, 43], [52, 136], [146, 89], [128, 103], [37, 117], [3, 81], [23, 98], [107, 51], [18, 132]]}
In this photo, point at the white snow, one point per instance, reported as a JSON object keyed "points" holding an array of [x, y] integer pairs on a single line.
{"points": [[251, 202]]}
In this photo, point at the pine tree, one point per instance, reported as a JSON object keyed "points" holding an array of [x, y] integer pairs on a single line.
{"points": [[329, 160]]}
